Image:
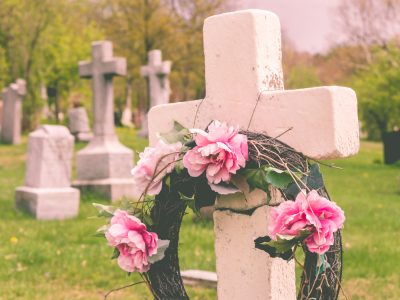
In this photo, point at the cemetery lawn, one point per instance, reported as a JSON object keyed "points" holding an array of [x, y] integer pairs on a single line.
{"points": [[63, 260]]}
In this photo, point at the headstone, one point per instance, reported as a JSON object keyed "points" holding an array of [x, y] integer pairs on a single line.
{"points": [[104, 165], [391, 147], [78, 123], [126, 119], [47, 193], [12, 112], [157, 72], [244, 87]]}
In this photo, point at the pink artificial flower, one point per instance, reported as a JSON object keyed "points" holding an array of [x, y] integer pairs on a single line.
{"points": [[321, 239], [287, 219], [135, 244], [318, 208], [220, 152], [308, 212], [158, 160]]}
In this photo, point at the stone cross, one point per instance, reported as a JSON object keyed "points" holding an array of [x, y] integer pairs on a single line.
{"points": [[244, 81], [157, 72], [12, 112], [47, 192], [104, 165]]}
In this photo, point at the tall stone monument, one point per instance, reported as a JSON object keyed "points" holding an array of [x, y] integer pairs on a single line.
{"points": [[104, 165], [47, 193], [244, 87], [78, 124], [157, 72], [12, 112]]}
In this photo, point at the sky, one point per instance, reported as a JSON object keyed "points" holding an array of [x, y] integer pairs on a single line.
{"points": [[309, 24]]}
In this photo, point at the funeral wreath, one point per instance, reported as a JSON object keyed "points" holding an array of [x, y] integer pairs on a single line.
{"points": [[193, 167]]}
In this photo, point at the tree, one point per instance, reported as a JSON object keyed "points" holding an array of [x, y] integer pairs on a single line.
{"points": [[379, 94], [367, 23], [42, 42]]}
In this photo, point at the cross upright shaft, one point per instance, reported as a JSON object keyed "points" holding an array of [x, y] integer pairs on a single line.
{"points": [[101, 70]]}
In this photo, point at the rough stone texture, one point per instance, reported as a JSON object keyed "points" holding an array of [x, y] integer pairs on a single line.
{"points": [[12, 112], [241, 80], [157, 72], [47, 193], [79, 124], [104, 164], [243, 271]]}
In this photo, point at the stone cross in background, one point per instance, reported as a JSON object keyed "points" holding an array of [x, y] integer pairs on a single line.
{"points": [[78, 123], [104, 165], [244, 82], [47, 193], [12, 112], [126, 118], [157, 72]]}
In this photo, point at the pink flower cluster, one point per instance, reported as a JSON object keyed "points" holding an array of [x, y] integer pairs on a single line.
{"points": [[135, 244], [154, 164], [309, 211], [220, 152]]}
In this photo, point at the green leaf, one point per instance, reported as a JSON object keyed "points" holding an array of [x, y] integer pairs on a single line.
{"points": [[115, 254], [256, 178], [190, 202], [178, 134], [322, 264], [147, 219], [105, 210], [278, 178]]}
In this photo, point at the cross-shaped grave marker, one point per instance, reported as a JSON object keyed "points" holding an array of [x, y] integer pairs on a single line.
{"points": [[104, 164], [12, 112], [244, 75], [157, 72]]}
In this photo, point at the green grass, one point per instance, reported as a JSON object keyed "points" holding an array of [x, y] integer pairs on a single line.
{"points": [[62, 259]]}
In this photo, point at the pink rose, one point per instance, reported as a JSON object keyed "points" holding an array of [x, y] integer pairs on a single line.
{"points": [[158, 160], [309, 211], [286, 219], [321, 239], [318, 208], [219, 152], [135, 244]]}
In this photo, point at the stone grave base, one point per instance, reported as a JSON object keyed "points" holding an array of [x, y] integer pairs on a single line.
{"points": [[84, 136], [48, 204], [111, 188]]}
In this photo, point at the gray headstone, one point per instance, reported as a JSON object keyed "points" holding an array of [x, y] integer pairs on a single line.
{"points": [[47, 192], [12, 112], [157, 72], [78, 123], [104, 165]]}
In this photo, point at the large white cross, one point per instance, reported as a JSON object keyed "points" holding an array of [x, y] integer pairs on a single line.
{"points": [[243, 65]]}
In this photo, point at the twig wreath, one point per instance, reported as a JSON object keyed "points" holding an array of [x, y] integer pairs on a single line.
{"points": [[191, 168]]}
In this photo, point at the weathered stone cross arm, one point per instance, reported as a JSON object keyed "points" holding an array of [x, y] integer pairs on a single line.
{"points": [[322, 121], [103, 62]]}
